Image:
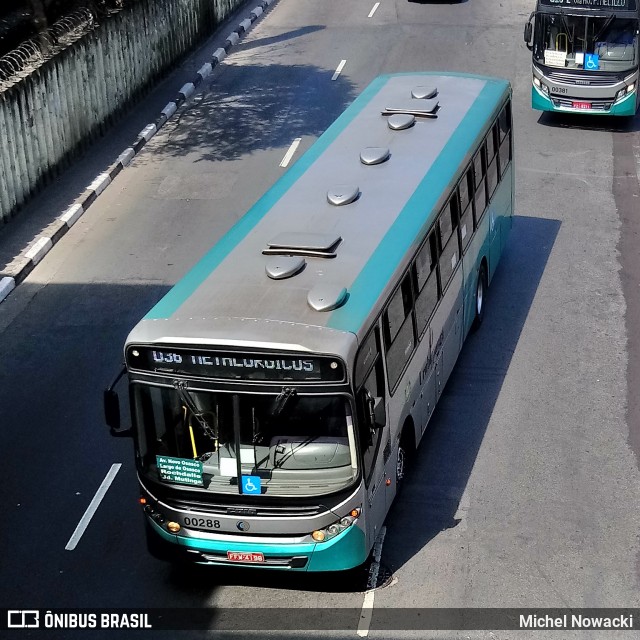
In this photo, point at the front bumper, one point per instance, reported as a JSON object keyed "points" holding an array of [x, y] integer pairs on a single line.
{"points": [[346, 551], [626, 106]]}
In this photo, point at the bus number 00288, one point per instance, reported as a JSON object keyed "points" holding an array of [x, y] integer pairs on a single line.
{"points": [[202, 523]]}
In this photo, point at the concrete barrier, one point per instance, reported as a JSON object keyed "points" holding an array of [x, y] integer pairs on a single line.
{"points": [[59, 107]]}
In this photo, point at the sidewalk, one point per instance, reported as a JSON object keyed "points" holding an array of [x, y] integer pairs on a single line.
{"points": [[26, 239]]}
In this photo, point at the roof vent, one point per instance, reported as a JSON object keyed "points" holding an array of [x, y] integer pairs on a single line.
{"points": [[400, 121], [281, 267], [374, 155], [420, 109], [319, 245], [326, 297], [343, 194], [424, 93]]}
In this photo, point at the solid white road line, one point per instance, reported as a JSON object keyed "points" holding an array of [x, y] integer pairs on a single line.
{"points": [[375, 8], [369, 597], [93, 507], [338, 70], [290, 152]]}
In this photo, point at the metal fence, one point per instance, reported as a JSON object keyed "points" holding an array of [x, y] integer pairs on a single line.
{"points": [[62, 100]]}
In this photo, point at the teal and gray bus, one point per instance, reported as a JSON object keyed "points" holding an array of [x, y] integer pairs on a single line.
{"points": [[585, 56], [278, 390]]}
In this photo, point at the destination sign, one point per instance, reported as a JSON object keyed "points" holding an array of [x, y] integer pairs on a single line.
{"points": [[621, 5], [180, 470], [235, 365]]}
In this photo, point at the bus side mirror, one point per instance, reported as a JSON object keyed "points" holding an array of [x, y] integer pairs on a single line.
{"points": [[528, 32], [379, 413], [112, 409], [112, 414]]}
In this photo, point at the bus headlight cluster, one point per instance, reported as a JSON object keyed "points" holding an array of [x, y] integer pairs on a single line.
{"points": [[322, 535], [173, 527], [626, 91], [541, 85]]}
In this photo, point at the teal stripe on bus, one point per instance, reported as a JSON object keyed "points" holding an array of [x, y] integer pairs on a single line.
{"points": [[379, 269], [183, 289]]}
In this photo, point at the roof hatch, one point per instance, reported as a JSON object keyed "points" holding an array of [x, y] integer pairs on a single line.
{"points": [[326, 297], [281, 267], [343, 194], [424, 92], [374, 155], [399, 121]]}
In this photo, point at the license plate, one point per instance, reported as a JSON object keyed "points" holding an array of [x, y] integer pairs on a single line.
{"points": [[581, 105], [245, 556]]}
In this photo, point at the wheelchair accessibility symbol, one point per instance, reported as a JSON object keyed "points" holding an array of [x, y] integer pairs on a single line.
{"points": [[591, 61], [251, 484]]}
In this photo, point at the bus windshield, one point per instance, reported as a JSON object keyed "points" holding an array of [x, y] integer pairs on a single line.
{"points": [[593, 43], [298, 445]]}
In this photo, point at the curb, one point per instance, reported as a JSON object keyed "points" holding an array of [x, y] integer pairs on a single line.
{"points": [[43, 243]]}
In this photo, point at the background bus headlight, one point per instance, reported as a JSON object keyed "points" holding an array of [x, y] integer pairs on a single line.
{"points": [[322, 535]]}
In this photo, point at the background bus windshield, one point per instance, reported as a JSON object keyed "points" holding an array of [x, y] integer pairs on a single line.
{"points": [[298, 445], [586, 42]]}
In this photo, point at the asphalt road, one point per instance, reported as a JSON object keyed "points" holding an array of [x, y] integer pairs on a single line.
{"points": [[525, 492]]}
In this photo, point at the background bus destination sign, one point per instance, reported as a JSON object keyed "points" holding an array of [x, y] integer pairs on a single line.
{"points": [[236, 365], [624, 5]]}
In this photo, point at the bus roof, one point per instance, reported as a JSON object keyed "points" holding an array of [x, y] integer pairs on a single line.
{"points": [[396, 201]]}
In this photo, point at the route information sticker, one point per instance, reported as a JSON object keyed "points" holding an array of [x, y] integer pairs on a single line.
{"points": [[180, 470]]}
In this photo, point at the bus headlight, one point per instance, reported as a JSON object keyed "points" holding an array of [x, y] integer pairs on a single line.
{"points": [[631, 88], [322, 535], [174, 527], [621, 94], [537, 82]]}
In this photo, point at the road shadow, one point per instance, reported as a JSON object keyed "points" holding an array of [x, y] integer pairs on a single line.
{"points": [[443, 463], [249, 109], [588, 122]]}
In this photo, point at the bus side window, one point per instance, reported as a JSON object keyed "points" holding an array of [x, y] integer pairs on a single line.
{"points": [[450, 254], [426, 278], [504, 127], [466, 219], [479, 175], [492, 156], [448, 219], [397, 324]]}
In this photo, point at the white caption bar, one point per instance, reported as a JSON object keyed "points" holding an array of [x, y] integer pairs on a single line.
{"points": [[93, 507], [339, 69], [292, 149]]}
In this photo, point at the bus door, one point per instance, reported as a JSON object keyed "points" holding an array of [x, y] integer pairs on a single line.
{"points": [[427, 382], [375, 444]]}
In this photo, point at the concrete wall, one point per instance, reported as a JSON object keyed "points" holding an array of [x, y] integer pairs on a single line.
{"points": [[62, 105]]}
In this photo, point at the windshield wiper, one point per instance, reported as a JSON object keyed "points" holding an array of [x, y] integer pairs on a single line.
{"points": [[209, 430], [281, 400], [605, 26], [565, 24]]}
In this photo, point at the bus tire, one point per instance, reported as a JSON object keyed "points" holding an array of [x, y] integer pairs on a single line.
{"points": [[405, 453], [481, 290]]}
